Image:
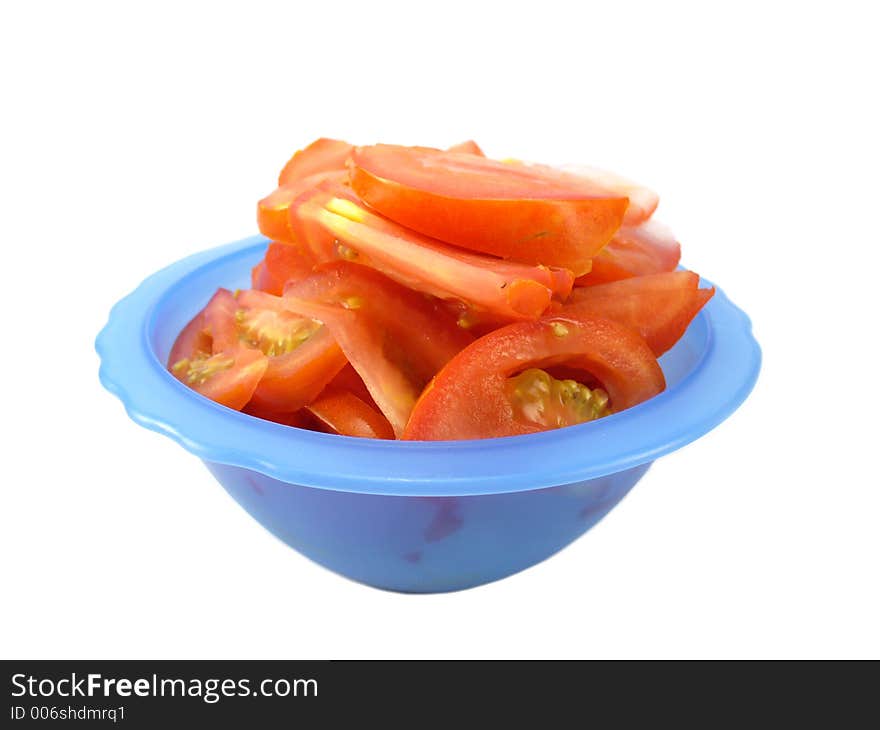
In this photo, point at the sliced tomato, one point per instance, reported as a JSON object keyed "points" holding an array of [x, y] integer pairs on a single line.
{"points": [[282, 262], [530, 213], [642, 201], [321, 155], [209, 361], [273, 211], [468, 147], [497, 386], [348, 379], [649, 248], [193, 340], [505, 288], [342, 412], [303, 356], [299, 419], [395, 338], [658, 306]]}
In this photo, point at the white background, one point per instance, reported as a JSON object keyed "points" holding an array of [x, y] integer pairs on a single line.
{"points": [[131, 138]]}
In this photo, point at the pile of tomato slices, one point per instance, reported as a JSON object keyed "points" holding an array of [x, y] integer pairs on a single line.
{"points": [[426, 294]]}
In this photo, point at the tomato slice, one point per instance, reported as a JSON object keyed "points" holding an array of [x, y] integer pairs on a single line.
{"points": [[468, 147], [206, 359], [273, 217], [509, 289], [303, 356], [649, 248], [642, 201], [321, 155], [659, 306], [348, 379], [530, 213], [342, 412], [476, 394], [396, 339], [282, 262]]}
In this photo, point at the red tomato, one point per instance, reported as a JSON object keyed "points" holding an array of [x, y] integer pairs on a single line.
{"points": [[507, 289], [303, 356], [273, 210], [209, 362], [658, 306], [283, 261], [642, 201], [649, 248], [342, 412], [321, 155], [395, 338], [470, 147], [530, 213], [348, 379], [472, 396]]}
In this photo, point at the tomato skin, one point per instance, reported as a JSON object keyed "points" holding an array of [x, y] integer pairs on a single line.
{"points": [[396, 339], [467, 399], [532, 214], [282, 262], [649, 248], [293, 379], [504, 288], [322, 155], [658, 306], [468, 147], [344, 413]]}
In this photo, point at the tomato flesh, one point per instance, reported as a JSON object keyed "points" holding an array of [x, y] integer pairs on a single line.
{"points": [[273, 211], [642, 201], [468, 147], [528, 213], [396, 339], [342, 412], [282, 262], [210, 361], [472, 398], [659, 307], [303, 355], [508, 289], [322, 155], [649, 248], [537, 397]]}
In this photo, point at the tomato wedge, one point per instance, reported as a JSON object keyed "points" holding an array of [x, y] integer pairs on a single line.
{"points": [[494, 386], [282, 262], [302, 354], [342, 412], [396, 339], [211, 363], [273, 217], [649, 248], [322, 155], [659, 306], [530, 213], [468, 147], [642, 201], [505, 288]]}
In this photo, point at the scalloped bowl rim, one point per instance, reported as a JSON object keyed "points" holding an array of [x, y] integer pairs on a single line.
{"points": [[716, 386]]}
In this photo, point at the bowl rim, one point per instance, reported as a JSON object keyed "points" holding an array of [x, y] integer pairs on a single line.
{"points": [[130, 369]]}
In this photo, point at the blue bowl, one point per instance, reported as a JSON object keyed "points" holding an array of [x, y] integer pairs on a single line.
{"points": [[417, 517]]}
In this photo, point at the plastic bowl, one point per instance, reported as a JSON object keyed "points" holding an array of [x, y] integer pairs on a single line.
{"points": [[415, 516]]}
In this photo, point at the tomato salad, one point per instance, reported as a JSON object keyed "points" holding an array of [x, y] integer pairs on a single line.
{"points": [[426, 294]]}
